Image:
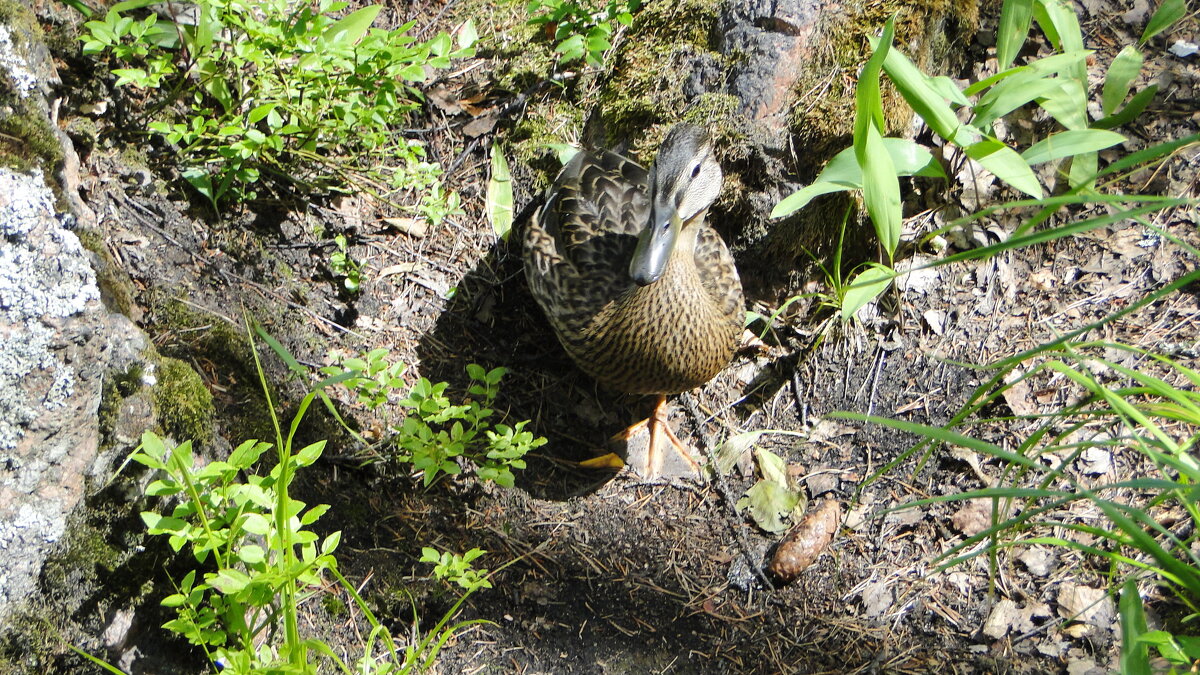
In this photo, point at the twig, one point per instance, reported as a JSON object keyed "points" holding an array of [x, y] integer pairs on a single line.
{"points": [[738, 525]]}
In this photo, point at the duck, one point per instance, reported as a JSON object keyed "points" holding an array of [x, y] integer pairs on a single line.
{"points": [[641, 291]]}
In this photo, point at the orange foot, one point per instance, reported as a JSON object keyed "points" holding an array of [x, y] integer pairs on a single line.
{"points": [[661, 456]]}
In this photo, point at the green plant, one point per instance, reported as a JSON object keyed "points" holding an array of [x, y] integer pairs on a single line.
{"points": [[582, 29], [456, 568], [1058, 84], [270, 88], [436, 433], [371, 377], [345, 266], [1182, 651], [238, 521]]}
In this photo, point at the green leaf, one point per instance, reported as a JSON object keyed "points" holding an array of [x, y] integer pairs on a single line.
{"points": [[500, 195], [256, 523], [769, 504], [1067, 103], [1131, 110], [228, 581], [1135, 657], [865, 287], [733, 448], [1015, 19], [1119, 78], [467, 36], [842, 173], [564, 151], [925, 97], [350, 28], [1070, 143], [868, 98], [309, 454], [1006, 164], [772, 466], [252, 554], [1164, 17], [881, 191]]}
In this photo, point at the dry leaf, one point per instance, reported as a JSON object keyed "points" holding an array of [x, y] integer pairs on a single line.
{"points": [[480, 125], [974, 517], [413, 227]]}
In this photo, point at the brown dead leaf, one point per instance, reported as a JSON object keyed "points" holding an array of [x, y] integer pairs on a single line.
{"points": [[1085, 604], [805, 542], [1004, 615], [480, 125], [400, 268], [444, 99], [974, 517], [413, 227]]}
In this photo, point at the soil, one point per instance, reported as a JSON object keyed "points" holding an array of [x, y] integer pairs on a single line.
{"points": [[596, 573]]}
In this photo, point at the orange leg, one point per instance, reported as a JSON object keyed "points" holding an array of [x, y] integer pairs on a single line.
{"points": [[665, 456]]}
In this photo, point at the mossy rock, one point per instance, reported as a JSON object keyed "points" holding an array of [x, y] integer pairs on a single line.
{"points": [[183, 404]]}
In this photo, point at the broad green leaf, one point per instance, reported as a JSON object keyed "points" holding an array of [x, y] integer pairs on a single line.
{"points": [[1012, 94], [1119, 78], [256, 523], [800, 198], [500, 195], [260, 112], [925, 97], [1167, 14], [733, 448], [1131, 110], [467, 35], [564, 151], [867, 95], [946, 88], [1083, 170], [1006, 164], [865, 287], [1070, 143], [1015, 18], [1135, 657], [769, 503], [251, 554], [1067, 103], [881, 191], [309, 454], [350, 28], [228, 581], [772, 466]]}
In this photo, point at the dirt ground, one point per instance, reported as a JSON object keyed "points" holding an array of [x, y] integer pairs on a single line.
{"points": [[601, 574]]}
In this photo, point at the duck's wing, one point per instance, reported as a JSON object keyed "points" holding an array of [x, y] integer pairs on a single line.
{"points": [[718, 274], [578, 247]]}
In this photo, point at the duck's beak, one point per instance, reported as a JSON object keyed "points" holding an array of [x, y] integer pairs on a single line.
{"points": [[655, 243]]}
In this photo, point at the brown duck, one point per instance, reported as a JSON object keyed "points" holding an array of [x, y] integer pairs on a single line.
{"points": [[641, 292]]}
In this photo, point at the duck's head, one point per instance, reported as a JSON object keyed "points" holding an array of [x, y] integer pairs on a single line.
{"points": [[685, 180]]}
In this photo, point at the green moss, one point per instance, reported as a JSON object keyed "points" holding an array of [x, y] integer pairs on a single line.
{"points": [[646, 86], [183, 404], [26, 138], [115, 287], [205, 338], [117, 387], [333, 604]]}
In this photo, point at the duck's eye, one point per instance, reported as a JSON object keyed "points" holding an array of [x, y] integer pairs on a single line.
{"points": [[695, 171]]}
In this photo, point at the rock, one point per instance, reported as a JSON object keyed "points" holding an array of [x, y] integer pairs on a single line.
{"points": [[58, 341]]}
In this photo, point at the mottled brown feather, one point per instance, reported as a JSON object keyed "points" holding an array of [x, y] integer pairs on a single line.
{"points": [[664, 338]]}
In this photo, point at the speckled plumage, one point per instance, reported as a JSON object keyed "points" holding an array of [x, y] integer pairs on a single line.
{"points": [[662, 338]]}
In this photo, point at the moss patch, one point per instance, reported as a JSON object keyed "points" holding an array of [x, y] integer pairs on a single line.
{"points": [[27, 140], [183, 404]]}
